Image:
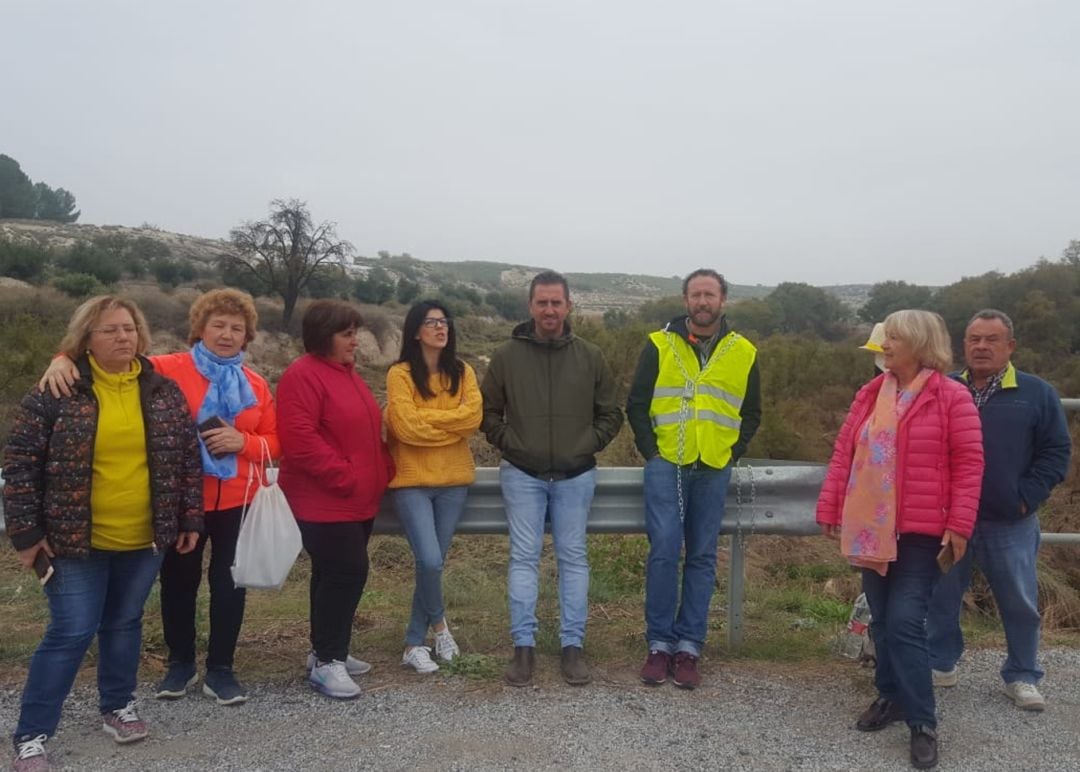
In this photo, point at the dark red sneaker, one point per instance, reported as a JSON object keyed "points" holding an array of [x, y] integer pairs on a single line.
{"points": [[686, 675], [656, 668]]}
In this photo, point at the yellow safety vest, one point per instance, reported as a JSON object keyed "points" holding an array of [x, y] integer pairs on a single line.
{"points": [[706, 402]]}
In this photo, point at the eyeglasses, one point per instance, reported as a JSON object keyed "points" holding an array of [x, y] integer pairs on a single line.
{"points": [[115, 331], [432, 324]]}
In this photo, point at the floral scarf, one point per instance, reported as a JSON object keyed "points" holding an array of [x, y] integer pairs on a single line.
{"points": [[868, 522]]}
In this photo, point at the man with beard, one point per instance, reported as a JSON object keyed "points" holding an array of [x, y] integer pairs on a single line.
{"points": [[549, 407], [694, 406]]}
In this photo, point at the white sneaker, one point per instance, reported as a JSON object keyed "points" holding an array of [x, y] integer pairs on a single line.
{"points": [[1025, 696], [946, 677], [353, 666], [333, 680], [446, 647], [419, 659]]}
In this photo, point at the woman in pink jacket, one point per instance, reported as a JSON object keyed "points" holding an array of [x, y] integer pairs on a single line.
{"points": [[903, 485], [334, 471]]}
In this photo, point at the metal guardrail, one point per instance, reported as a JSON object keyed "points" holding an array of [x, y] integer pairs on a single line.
{"points": [[764, 498]]}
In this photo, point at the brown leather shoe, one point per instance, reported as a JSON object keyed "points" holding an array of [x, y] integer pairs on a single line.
{"points": [[575, 671], [520, 670], [879, 715]]}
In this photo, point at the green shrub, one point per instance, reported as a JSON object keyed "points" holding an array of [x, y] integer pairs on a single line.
{"points": [[78, 285]]}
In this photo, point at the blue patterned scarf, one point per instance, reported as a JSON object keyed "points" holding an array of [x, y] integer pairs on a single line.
{"points": [[228, 395]]}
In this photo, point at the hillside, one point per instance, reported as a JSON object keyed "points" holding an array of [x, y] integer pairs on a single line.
{"points": [[592, 292]]}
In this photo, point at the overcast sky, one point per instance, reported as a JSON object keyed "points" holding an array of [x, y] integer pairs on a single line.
{"points": [[825, 142]]}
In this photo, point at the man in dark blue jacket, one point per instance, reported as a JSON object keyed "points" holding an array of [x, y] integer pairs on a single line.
{"points": [[1027, 445]]}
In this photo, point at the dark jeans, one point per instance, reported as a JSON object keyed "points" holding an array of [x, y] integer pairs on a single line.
{"points": [[677, 621], [898, 603], [339, 569], [180, 578], [100, 595], [1006, 551]]}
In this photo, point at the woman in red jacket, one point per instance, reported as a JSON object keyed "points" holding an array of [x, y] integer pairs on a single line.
{"points": [[902, 485], [334, 470]]}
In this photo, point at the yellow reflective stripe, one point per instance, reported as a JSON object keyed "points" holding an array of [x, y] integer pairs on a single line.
{"points": [[727, 396], [663, 419], [717, 418], [668, 391]]}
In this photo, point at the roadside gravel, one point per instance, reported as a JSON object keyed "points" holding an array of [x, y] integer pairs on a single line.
{"points": [[747, 716]]}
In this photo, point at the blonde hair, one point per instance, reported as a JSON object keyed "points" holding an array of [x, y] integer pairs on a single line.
{"points": [[86, 317], [222, 301], [927, 335]]}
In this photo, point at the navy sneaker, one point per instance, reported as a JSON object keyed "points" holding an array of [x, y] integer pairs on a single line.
{"points": [[221, 684], [175, 684]]}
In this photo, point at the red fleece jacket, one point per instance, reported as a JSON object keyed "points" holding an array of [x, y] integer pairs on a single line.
{"points": [[335, 465]]}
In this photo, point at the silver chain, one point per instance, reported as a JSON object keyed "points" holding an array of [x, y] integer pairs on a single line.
{"points": [[739, 468], [689, 392]]}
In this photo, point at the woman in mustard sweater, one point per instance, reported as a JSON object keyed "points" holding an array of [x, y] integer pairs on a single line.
{"points": [[433, 407]]}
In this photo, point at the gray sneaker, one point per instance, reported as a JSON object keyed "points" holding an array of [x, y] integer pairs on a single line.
{"points": [[945, 678], [1025, 696], [353, 666]]}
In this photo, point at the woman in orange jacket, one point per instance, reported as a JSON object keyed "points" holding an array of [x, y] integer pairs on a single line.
{"points": [[234, 409], [433, 407]]}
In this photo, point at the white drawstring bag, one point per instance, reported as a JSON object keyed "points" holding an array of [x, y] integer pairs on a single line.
{"points": [[269, 538]]}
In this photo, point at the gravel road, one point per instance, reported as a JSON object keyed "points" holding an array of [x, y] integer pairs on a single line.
{"points": [[747, 716]]}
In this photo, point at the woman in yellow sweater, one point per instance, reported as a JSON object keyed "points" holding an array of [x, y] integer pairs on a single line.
{"points": [[433, 407]]}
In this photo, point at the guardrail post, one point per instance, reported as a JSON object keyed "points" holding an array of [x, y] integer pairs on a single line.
{"points": [[736, 590]]}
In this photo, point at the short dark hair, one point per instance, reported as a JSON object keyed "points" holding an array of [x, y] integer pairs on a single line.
{"points": [[324, 319], [993, 313], [549, 277], [706, 272]]}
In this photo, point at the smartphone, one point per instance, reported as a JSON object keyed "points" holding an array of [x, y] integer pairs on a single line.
{"points": [[43, 567], [213, 422], [946, 558]]}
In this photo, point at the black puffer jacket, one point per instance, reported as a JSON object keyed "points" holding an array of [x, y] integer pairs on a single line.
{"points": [[48, 465]]}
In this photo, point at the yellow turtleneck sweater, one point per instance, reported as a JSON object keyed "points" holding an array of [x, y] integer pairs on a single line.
{"points": [[428, 438], [120, 510]]}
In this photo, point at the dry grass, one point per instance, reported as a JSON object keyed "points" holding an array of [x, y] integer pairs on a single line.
{"points": [[798, 597]]}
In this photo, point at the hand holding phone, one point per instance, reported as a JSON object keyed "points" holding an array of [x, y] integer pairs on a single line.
{"points": [[946, 558], [213, 422], [43, 566]]}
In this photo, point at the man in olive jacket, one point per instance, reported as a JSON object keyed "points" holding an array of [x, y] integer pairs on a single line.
{"points": [[549, 407]]}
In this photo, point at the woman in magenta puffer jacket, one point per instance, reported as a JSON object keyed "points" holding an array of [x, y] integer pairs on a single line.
{"points": [[902, 485]]}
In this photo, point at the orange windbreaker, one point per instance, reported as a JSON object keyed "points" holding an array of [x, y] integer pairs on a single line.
{"points": [[258, 421]]}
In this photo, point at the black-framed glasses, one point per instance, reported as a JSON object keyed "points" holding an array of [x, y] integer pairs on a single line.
{"points": [[432, 324]]}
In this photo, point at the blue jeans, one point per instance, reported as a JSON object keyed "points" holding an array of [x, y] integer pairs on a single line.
{"points": [[1005, 551], [898, 603], [101, 595], [673, 624], [429, 517], [528, 501]]}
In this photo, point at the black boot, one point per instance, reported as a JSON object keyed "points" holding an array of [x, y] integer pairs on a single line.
{"points": [[923, 747], [520, 670]]}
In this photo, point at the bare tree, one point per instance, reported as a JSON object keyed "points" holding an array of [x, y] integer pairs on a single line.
{"points": [[283, 251]]}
